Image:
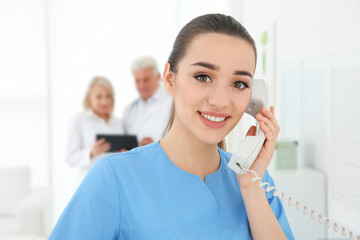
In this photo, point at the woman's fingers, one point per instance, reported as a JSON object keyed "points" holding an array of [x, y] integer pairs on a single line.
{"points": [[106, 147], [268, 123], [272, 109], [100, 141], [270, 136], [270, 115], [269, 119]]}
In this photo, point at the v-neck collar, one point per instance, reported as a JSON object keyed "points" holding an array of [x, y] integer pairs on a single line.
{"points": [[182, 171]]}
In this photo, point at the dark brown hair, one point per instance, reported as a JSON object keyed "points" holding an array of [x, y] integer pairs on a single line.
{"points": [[209, 23]]}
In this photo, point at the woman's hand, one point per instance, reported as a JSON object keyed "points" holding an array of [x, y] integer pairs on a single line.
{"points": [[121, 150], [145, 141], [99, 147], [271, 129]]}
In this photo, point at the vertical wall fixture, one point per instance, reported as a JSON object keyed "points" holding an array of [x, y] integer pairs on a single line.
{"points": [[264, 41]]}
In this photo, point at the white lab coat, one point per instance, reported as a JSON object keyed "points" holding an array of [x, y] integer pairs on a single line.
{"points": [[82, 136], [148, 119]]}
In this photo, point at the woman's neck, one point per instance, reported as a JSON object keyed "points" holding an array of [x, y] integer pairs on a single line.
{"points": [[105, 117], [189, 153]]}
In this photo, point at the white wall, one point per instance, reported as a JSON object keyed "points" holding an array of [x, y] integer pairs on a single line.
{"points": [[305, 28], [310, 37], [23, 91]]}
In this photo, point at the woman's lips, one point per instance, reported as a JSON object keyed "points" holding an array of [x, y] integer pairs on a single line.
{"points": [[214, 119]]}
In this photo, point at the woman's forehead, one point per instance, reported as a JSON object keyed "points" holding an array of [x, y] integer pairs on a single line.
{"points": [[221, 50]]}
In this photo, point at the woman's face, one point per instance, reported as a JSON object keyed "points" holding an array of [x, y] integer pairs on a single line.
{"points": [[211, 88], [101, 101]]}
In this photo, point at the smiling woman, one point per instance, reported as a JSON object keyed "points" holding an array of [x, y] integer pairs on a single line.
{"points": [[180, 187], [216, 86]]}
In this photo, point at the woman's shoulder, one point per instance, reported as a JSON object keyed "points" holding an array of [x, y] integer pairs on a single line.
{"points": [[140, 157], [80, 116], [138, 164]]}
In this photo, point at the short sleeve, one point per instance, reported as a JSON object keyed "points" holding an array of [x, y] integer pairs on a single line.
{"points": [[93, 212], [277, 207], [77, 154]]}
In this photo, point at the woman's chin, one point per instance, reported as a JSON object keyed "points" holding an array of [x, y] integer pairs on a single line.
{"points": [[104, 111], [212, 140]]}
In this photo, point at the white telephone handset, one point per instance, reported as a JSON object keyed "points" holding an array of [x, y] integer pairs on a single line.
{"points": [[247, 151]]}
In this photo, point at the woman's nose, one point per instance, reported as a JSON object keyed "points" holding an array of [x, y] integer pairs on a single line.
{"points": [[219, 97]]}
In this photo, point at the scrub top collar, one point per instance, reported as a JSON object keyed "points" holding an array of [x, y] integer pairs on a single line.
{"points": [[221, 168]]}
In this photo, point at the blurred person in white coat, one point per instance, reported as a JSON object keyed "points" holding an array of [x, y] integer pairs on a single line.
{"points": [[82, 147], [147, 116]]}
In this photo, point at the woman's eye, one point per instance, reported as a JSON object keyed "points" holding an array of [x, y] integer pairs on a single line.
{"points": [[203, 78], [240, 85]]}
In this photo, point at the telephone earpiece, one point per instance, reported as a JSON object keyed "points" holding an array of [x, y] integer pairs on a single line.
{"points": [[247, 151]]}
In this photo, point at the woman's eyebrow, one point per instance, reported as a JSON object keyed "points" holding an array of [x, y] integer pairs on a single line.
{"points": [[242, 73], [216, 68], [206, 65]]}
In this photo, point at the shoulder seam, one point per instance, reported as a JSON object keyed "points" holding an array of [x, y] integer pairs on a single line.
{"points": [[144, 148]]}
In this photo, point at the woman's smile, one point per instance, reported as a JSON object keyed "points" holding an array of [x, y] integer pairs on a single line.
{"points": [[214, 119], [212, 88]]}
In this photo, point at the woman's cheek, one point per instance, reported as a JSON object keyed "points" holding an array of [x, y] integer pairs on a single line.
{"points": [[191, 93], [240, 104]]}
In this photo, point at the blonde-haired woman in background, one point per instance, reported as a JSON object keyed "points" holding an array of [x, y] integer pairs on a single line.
{"points": [[82, 148]]}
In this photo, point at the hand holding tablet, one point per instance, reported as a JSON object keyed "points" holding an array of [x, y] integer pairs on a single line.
{"points": [[119, 142]]}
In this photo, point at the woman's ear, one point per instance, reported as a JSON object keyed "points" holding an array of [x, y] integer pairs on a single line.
{"points": [[168, 78]]}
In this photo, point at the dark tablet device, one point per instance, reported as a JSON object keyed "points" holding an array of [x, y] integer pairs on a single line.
{"points": [[119, 142]]}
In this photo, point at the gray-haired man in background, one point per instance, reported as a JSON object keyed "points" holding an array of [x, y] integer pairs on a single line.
{"points": [[148, 115]]}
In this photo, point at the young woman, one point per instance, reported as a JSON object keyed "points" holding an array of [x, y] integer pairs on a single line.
{"points": [[82, 148], [181, 187]]}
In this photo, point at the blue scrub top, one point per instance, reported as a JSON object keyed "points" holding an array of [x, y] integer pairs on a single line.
{"points": [[142, 194]]}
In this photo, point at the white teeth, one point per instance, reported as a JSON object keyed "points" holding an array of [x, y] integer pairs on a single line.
{"points": [[213, 118]]}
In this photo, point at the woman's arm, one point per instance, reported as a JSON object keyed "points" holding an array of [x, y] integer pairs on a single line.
{"points": [[263, 223]]}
